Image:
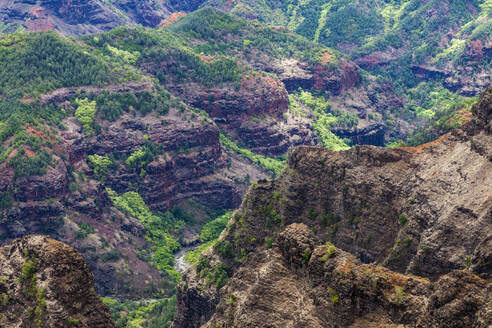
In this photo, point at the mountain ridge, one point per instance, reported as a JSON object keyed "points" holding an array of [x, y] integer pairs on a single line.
{"points": [[389, 207]]}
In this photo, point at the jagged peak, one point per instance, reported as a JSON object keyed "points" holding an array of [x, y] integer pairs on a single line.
{"points": [[45, 281], [482, 113]]}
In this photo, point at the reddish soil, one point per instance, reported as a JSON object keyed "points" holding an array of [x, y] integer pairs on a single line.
{"points": [[171, 19]]}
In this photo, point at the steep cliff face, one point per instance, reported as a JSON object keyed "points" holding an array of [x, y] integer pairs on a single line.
{"points": [[272, 63], [422, 211], [301, 282], [190, 164], [45, 283]]}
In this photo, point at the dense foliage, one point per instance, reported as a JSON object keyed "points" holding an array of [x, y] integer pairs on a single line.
{"points": [[324, 117], [133, 314], [212, 229], [220, 33], [272, 165], [34, 63], [157, 230]]}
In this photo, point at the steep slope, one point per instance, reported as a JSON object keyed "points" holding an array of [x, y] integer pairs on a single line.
{"points": [[282, 287], [86, 16], [406, 41], [298, 64], [422, 211], [45, 283], [67, 146]]}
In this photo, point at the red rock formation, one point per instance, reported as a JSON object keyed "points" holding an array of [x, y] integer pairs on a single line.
{"points": [[337, 80]]}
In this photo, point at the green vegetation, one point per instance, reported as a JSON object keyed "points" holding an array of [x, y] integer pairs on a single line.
{"points": [[184, 66], [332, 293], [85, 229], [441, 110], [34, 294], [329, 253], [133, 314], [100, 164], [399, 296], [403, 219], [111, 105], [26, 166], [217, 275], [214, 29], [329, 22], [142, 156], [35, 63], [306, 256], [467, 262], [157, 229], [28, 270], [193, 256], [324, 117], [274, 166], [224, 248], [415, 29], [85, 113], [212, 229]]}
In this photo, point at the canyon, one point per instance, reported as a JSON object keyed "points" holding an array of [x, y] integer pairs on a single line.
{"points": [[357, 238]]}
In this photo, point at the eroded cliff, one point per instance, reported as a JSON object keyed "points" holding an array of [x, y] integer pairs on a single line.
{"points": [[45, 283], [421, 216]]}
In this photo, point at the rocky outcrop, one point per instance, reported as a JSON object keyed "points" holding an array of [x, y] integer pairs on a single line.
{"points": [[428, 73], [63, 94], [257, 95], [301, 282], [67, 17], [372, 135], [334, 79], [274, 137], [45, 283], [417, 212]]}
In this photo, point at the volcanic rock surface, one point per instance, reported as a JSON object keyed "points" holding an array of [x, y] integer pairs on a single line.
{"points": [[45, 283], [416, 221]]}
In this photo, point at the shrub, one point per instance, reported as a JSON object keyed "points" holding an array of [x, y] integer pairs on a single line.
{"points": [[86, 110], [306, 256], [329, 252], [403, 219], [26, 166], [28, 270], [212, 229], [218, 276], [99, 164], [112, 255], [224, 248]]}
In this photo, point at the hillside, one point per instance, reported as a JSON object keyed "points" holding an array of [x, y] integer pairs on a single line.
{"points": [[86, 16], [419, 218], [406, 41], [70, 149], [408, 47]]}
